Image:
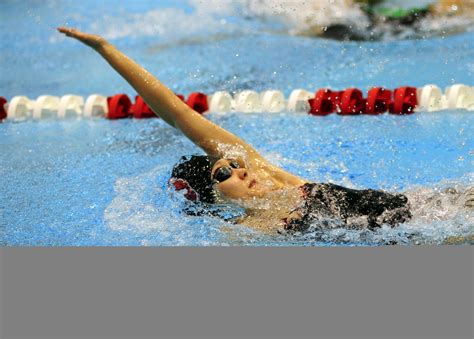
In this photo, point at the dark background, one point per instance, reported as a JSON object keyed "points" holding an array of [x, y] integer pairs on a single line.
{"points": [[386, 292]]}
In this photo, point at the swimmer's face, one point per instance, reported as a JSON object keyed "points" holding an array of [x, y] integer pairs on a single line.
{"points": [[235, 181]]}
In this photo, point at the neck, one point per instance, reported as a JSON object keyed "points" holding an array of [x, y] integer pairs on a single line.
{"points": [[275, 201]]}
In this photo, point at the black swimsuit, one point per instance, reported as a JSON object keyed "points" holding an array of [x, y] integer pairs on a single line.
{"points": [[328, 201]]}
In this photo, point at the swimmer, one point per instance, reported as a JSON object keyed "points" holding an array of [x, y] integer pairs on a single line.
{"points": [[234, 171], [360, 20]]}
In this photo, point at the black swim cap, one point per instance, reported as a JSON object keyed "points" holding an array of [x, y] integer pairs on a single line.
{"points": [[193, 173]]}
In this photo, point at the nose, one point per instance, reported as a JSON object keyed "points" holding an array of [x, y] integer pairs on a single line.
{"points": [[241, 173]]}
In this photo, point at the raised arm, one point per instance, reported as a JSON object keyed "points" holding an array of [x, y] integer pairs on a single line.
{"points": [[204, 133]]}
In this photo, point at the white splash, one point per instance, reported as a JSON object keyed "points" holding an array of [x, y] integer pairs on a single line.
{"points": [[130, 210], [304, 15], [170, 22]]}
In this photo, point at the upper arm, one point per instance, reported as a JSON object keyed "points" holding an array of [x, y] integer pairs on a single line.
{"points": [[201, 131], [213, 139]]}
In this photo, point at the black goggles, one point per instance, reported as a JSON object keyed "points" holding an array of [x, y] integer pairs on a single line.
{"points": [[225, 172]]}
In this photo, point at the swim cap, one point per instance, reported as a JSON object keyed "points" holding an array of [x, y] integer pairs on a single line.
{"points": [[193, 173]]}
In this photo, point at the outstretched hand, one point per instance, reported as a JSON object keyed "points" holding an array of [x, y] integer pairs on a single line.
{"points": [[91, 40]]}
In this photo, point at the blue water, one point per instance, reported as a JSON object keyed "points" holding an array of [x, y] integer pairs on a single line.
{"points": [[97, 182]]}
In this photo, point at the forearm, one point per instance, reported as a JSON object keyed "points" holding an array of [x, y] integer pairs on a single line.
{"points": [[158, 97]]}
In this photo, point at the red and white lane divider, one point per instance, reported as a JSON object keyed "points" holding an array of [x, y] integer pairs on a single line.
{"points": [[402, 100]]}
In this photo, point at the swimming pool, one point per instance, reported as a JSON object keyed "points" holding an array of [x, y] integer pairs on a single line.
{"points": [[99, 182]]}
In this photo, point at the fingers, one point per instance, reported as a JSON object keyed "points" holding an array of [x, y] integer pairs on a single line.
{"points": [[64, 30], [90, 40], [68, 31]]}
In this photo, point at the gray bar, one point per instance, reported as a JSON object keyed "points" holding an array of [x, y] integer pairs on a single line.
{"points": [[389, 292]]}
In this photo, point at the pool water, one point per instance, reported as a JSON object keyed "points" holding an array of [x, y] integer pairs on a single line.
{"points": [[99, 182]]}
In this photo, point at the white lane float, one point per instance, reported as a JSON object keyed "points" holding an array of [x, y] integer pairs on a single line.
{"points": [[247, 102], [95, 106], [459, 96], [220, 102], [272, 101], [70, 106], [430, 98], [19, 108], [298, 100], [471, 103], [45, 106]]}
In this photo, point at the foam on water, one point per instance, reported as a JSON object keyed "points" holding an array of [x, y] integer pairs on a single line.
{"points": [[438, 214], [170, 23], [144, 204], [131, 210], [299, 16]]}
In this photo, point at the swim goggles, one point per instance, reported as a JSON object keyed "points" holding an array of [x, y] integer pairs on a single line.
{"points": [[225, 172]]}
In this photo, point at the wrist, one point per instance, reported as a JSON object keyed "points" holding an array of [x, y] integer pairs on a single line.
{"points": [[99, 44], [96, 42]]}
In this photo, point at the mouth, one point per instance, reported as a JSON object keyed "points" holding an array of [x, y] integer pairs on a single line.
{"points": [[252, 183]]}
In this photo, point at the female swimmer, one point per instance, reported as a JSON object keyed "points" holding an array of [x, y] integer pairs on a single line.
{"points": [[233, 170]]}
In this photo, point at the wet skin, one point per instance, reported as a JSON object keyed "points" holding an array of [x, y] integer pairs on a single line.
{"points": [[243, 183]]}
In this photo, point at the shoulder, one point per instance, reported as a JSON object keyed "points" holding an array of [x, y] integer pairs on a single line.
{"points": [[284, 177]]}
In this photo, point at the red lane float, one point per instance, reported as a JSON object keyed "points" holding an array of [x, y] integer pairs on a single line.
{"points": [[378, 100], [322, 103], [119, 106], [3, 111], [352, 102], [198, 102], [404, 101], [140, 110], [336, 99]]}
